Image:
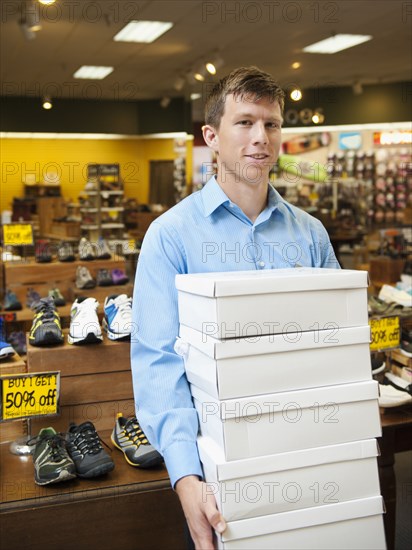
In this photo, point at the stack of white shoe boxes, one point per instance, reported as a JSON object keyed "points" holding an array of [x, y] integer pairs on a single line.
{"points": [[280, 373]]}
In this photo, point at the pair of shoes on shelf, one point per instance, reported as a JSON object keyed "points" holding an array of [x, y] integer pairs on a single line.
{"points": [[98, 250], [84, 322], [105, 277], [61, 457]]}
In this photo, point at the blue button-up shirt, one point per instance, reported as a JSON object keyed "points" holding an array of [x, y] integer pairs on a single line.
{"points": [[205, 232]]}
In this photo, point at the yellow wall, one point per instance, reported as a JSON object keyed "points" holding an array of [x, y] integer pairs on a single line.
{"points": [[69, 158]]}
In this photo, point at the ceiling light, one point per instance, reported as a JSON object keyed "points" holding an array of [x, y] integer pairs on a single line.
{"points": [[47, 104], [213, 65], [318, 117], [195, 96], [47, 2], [296, 94], [30, 23], [142, 31], [165, 102], [357, 88], [295, 65], [337, 43], [179, 83], [93, 72], [199, 77]]}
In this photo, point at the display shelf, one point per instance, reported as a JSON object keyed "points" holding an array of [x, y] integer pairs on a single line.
{"points": [[14, 429]]}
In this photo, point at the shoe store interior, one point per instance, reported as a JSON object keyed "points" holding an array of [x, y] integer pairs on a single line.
{"points": [[102, 109]]}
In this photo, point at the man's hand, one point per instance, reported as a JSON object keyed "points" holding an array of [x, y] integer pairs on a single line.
{"points": [[199, 507]]}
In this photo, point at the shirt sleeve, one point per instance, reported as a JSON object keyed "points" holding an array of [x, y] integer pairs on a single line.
{"points": [[163, 400], [327, 254]]}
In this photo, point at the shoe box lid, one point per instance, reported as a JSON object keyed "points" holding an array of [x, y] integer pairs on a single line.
{"points": [[237, 283]]}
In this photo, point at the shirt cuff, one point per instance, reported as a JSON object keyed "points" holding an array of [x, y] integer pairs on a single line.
{"points": [[182, 459]]}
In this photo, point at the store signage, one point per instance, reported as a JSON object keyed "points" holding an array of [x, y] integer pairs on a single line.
{"points": [[27, 395], [298, 169], [17, 234], [306, 142], [385, 333], [400, 137], [350, 140]]}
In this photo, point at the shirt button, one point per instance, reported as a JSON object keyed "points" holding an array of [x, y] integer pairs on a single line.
{"points": [[261, 265]]}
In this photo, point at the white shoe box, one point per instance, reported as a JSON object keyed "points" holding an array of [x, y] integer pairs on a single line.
{"points": [[289, 481], [288, 421], [353, 525], [242, 367], [249, 303]]}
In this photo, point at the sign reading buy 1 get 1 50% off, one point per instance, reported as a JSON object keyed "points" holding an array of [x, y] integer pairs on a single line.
{"points": [[27, 395]]}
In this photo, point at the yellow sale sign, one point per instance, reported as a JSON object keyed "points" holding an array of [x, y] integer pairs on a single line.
{"points": [[26, 395], [385, 333], [17, 234]]}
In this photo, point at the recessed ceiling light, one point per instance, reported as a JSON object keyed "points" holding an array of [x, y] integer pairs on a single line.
{"points": [[47, 2], [295, 65], [142, 31], [296, 94], [337, 43], [195, 96], [93, 72]]}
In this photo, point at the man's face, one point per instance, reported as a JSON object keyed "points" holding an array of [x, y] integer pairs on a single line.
{"points": [[248, 140]]}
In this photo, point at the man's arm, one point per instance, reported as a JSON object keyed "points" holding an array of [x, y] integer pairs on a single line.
{"points": [[164, 404]]}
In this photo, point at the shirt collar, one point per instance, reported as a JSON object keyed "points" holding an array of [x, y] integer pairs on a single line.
{"points": [[213, 196]]}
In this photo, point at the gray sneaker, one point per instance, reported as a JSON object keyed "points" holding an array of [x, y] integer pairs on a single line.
{"points": [[87, 250], [128, 437], [51, 460], [84, 278]]}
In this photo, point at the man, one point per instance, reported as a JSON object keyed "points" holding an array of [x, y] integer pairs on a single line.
{"points": [[236, 222]]}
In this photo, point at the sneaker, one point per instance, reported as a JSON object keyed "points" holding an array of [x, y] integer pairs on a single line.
{"points": [[51, 460], [104, 278], [398, 383], [83, 278], [57, 296], [84, 323], [11, 303], [391, 397], [391, 294], [117, 320], [42, 252], [86, 250], [128, 437], [119, 277], [65, 252], [378, 363], [32, 297], [406, 342], [17, 339], [103, 250], [46, 328], [86, 451], [6, 350]]}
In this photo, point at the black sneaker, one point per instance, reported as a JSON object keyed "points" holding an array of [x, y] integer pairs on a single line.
{"points": [[104, 278], [65, 252], [46, 328], [406, 341], [42, 252], [51, 461], [128, 437], [85, 448]]}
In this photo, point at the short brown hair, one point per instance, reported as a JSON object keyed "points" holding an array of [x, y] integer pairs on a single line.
{"points": [[241, 82]]}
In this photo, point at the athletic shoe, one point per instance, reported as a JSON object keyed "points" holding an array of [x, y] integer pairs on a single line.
{"points": [[46, 328], [51, 460], [117, 320], [42, 252], [57, 296], [398, 383], [86, 250], [6, 350], [391, 397], [11, 303], [103, 250], [32, 297], [17, 339], [378, 363], [391, 294], [86, 451], [84, 323], [119, 277], [128, 437], [83, 278], [65, 252], [406, 342], [104, 278]]}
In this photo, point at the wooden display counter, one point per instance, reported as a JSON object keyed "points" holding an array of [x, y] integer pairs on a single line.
{"points": [[127, 508]]}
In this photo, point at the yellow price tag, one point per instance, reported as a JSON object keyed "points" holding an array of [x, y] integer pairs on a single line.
{"points": [[25, 395], [385, 333], [17, 234]]}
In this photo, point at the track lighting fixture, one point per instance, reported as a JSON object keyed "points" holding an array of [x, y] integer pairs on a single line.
{"points": [[47, 104]]}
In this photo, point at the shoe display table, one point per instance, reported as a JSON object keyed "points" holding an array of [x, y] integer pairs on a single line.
{"points": [[396, 438], [127, 508]]}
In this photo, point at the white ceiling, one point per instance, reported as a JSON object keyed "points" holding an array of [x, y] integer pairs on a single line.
{"points": [[270, 34]]}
